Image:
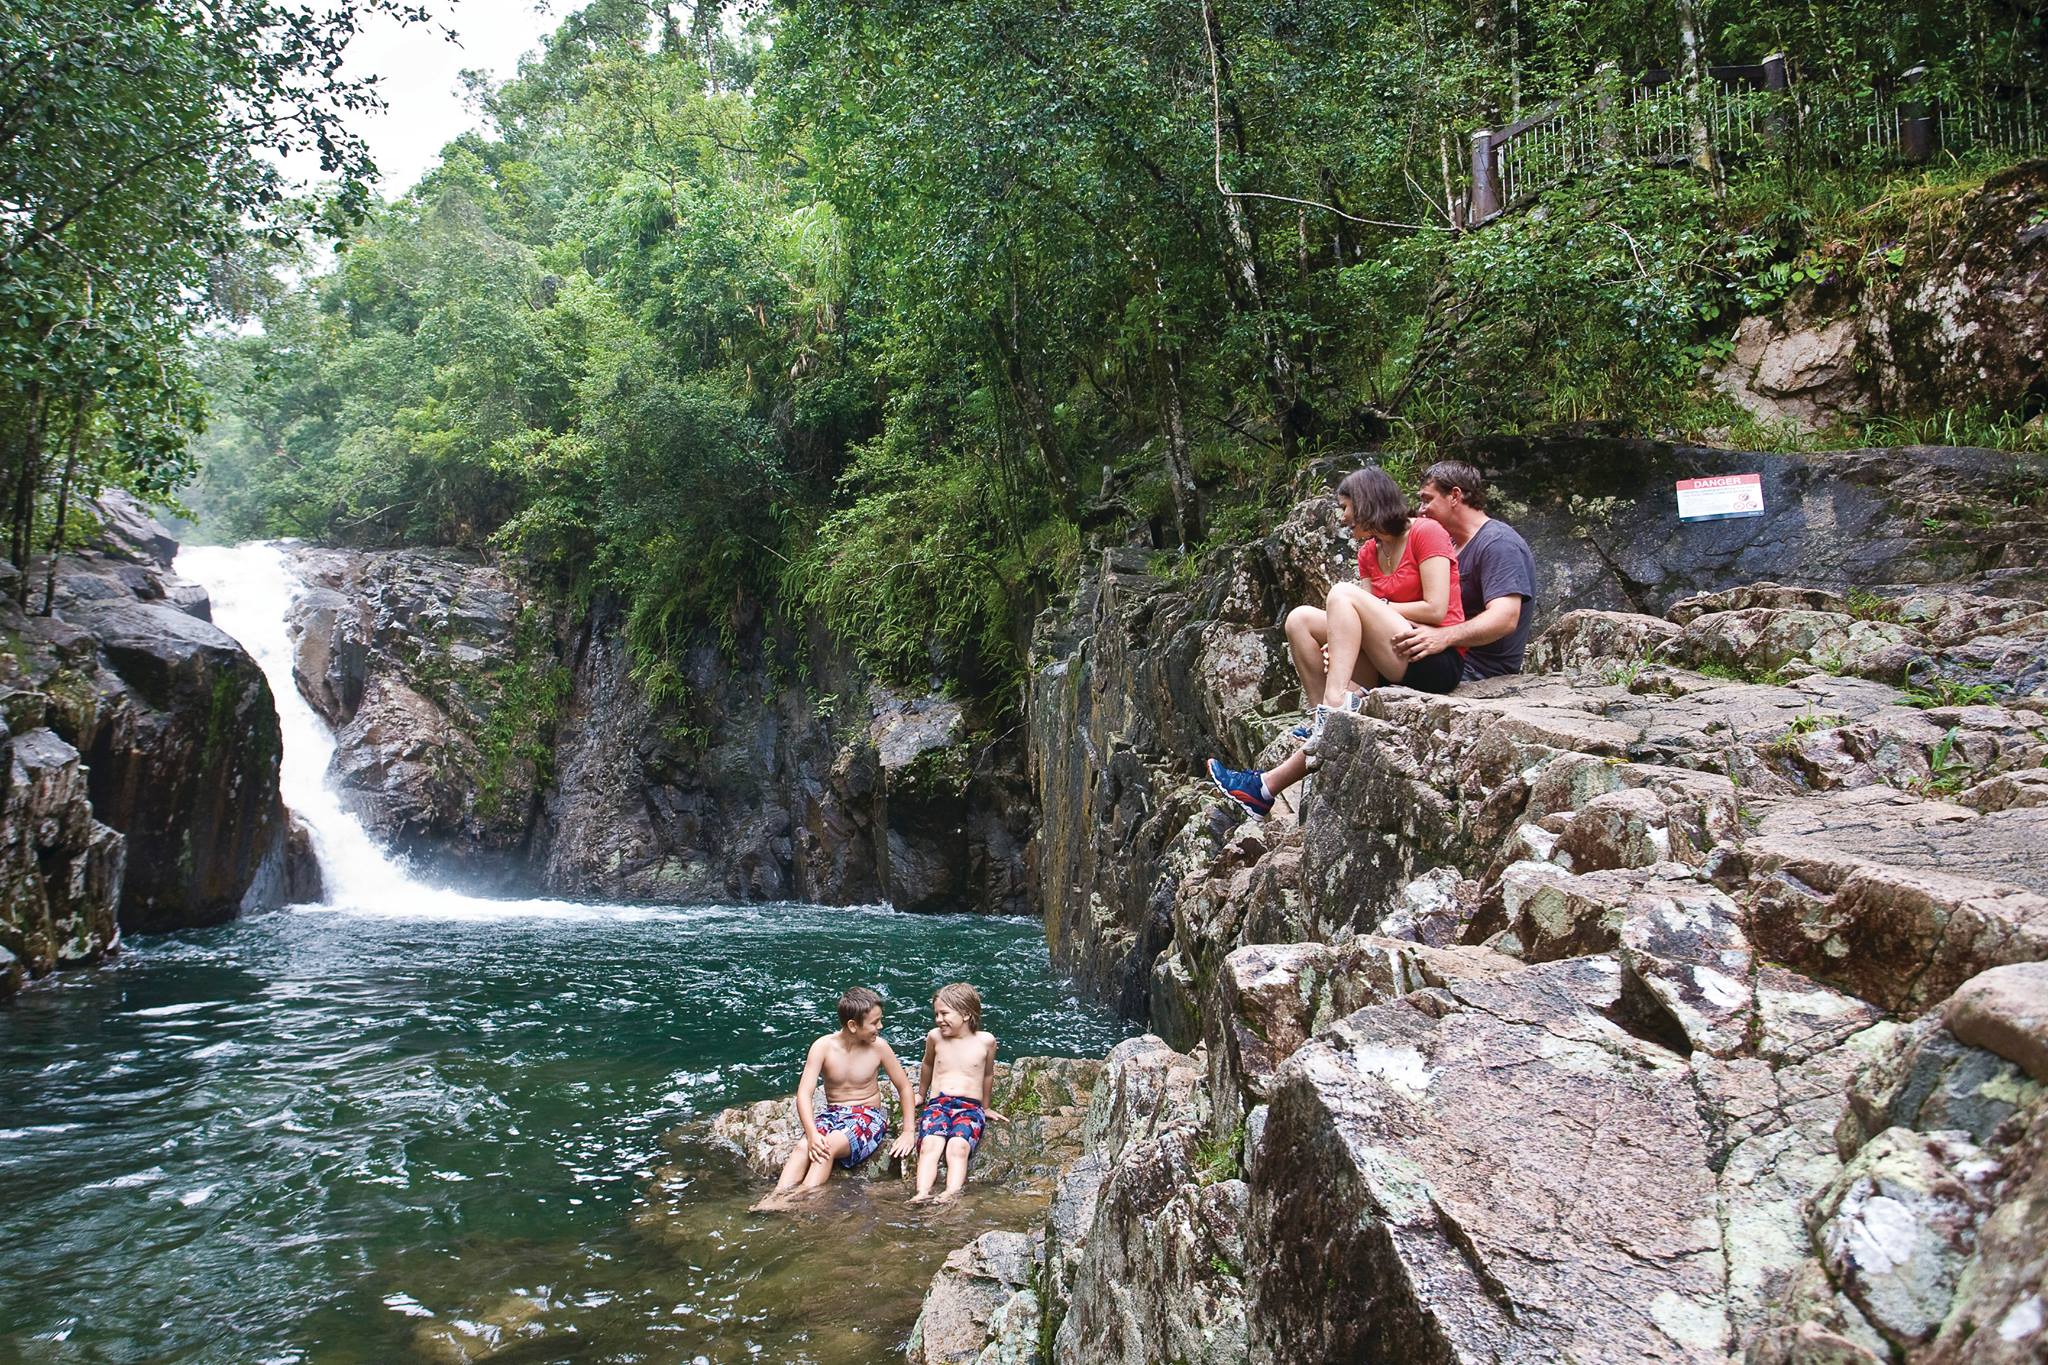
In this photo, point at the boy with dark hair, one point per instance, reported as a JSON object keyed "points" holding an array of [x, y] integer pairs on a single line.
{"points": [[851, 1125], [958, 1074]]}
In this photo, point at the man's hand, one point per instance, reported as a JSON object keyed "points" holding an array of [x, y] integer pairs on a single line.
{"points": [[1419, 642]]}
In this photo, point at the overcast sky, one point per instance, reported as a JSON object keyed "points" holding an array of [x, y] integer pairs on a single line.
{"points": [[421, 70]]}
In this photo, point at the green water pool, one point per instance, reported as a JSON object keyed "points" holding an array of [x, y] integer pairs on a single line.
{"points": [[328, 1136]]}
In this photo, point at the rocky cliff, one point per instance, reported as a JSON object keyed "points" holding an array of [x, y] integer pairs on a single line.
{"points": [[138, 758], [505, 746], [1683, 999], [1922, 323]]}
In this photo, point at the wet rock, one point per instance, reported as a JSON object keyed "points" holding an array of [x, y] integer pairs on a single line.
{"points": [[1162, 1275], [443, 692], [2005, 1011], [60, 869], [1423, 1162], [515, 1321], [976, 1283], [331, 652], [128, 529], [184, 760], [1898, 1225]]}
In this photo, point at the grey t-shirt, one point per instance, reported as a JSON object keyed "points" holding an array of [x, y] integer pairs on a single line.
{"points": [[1495, 563]]}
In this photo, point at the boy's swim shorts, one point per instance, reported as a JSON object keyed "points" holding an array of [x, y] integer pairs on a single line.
{"points": [[864, 1125], [951, 1116]]}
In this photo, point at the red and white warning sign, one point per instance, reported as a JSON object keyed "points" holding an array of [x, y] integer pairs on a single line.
{"points": [[1726, 495]]}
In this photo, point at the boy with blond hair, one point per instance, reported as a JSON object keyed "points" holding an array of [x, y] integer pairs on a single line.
{"points": [[958, 1074], [852, 1124]]}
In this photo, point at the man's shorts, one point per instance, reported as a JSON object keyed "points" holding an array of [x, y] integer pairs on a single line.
{"points": [[952, 1116], [864, 1125]]}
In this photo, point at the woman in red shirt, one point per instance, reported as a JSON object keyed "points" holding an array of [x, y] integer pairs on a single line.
{"points": [[1407, 575]]}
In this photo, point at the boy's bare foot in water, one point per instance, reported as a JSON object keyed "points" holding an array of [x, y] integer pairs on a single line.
{"points": [[924, 1198]]}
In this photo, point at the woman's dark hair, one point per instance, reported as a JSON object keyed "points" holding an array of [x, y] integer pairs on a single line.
{"points": [[1376, 501]]}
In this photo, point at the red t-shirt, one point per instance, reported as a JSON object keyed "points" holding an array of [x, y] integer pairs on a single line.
{"points": [[1426, 540]]}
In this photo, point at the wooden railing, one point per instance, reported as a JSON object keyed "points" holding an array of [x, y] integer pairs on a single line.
{"points": [[1744, 109]]}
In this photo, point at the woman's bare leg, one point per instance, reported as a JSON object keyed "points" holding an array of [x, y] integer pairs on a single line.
{"points": [[1307, 631], [1286, 773], [1347, 627], [1368, 627]]}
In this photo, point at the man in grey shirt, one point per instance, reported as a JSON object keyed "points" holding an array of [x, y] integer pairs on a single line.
{"points": [[1496, 577]]}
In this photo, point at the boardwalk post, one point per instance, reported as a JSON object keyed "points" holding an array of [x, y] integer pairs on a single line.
{"points": [[1485, 178], [1916, 124]]}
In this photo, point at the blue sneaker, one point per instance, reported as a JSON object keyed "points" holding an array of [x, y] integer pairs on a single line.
{"points": [[1246, 788]]}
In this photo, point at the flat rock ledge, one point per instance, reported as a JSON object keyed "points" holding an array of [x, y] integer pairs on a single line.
{"points": [[1043, 1101], [1680, 1000]]}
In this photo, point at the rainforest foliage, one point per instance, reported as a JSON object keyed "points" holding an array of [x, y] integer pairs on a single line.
{"points": [[861, 309]]}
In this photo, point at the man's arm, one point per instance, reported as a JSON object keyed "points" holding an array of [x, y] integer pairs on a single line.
{"points": [[1497, 621], [813, 1060], [898, 1077]]}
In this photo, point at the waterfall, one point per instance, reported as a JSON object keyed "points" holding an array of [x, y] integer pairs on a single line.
{"points": [[252, 587]]}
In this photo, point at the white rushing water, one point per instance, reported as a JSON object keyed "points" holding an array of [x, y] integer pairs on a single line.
{"points": [[252, 587]]}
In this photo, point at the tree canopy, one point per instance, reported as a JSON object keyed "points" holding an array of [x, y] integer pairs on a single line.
{"points": [[866, 309]]}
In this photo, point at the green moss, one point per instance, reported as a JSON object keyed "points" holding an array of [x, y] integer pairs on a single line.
{"points": [[526, 699]]}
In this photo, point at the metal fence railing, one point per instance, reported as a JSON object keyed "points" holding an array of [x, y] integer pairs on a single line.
{"points": [[1744, 110]]}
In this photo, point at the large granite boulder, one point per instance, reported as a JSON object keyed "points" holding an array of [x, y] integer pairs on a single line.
{"points": [[143, 750], [1425, 1166], [184, 762], [441, 681], [977, 1283]]}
